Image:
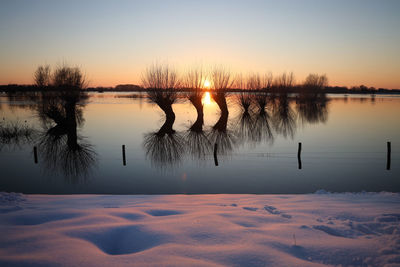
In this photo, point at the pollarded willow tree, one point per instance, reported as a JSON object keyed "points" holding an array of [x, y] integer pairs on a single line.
{"points": [[259, 82], [243, 99], [63, 77], [312, 103], [66, 77], [283, 117], [284, 82], [42, 76], [194, 80], [61, 113], [197, 142], [221, 80], [164, 147], [315, 83], [160, 77], [161, 81], [262, 84], [62, 93]]}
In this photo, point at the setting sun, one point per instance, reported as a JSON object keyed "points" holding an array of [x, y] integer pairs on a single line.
{"points": [[207, 85]]}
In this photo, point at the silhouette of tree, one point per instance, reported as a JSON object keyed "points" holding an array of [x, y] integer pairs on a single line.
{"points": [[243, 98], [161, 82], [63, 149], [262, 85], [197, 142], [221, 135], [160, 77], [239, 82], [194, 80], [312, 101], [221, 80], [314, 83], [42, 76], [61, 113], [164, 147], [68, 78], [259, 82], [283, 83], [63, 77]]}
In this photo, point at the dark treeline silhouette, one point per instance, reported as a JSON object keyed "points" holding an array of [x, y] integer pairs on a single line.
{"points": [[137, 88], [44, 79]]}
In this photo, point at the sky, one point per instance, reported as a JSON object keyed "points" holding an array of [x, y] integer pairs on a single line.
{"points": [[353, 42]]}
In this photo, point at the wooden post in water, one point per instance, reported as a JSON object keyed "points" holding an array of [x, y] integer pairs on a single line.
{"points": [[299, 155], [389, 151], [215, 154], [35, 157], [123, 155]]}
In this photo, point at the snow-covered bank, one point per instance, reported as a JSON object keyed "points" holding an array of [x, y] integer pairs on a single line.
{"points": [[202, 230]]}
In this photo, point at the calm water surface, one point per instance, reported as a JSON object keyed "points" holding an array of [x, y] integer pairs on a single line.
{"points": [[79, 150]]}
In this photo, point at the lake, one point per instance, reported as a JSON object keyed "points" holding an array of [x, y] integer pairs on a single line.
{"points": [[78, 148]]}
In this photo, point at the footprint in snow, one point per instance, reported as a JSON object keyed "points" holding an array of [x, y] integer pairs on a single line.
{"points": [[163, 212], [230, 205], [250, 208], [275, 211]]}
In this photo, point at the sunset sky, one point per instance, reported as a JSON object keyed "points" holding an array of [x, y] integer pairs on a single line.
{"points": [[353, 42]]}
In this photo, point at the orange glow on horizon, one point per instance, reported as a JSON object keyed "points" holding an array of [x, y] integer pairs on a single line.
{"points": [[103, 76]]}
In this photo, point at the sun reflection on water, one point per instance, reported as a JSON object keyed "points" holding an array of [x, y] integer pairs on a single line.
{"points": [[206, 99]]}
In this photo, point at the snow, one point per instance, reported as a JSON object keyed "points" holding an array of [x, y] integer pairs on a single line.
{"points": [[349, 229]]}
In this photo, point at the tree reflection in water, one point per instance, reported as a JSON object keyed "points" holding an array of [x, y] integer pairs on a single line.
{"points": [[219, 133], [166, 146], [244, 122], [198, 144], [15, 134], [261, 119], [62, 148], [312, 108], [284, 117], [262, 130]]}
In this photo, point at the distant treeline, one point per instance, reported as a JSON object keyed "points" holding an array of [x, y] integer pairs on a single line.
{"points": [[162, 77], [137, 88]]}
